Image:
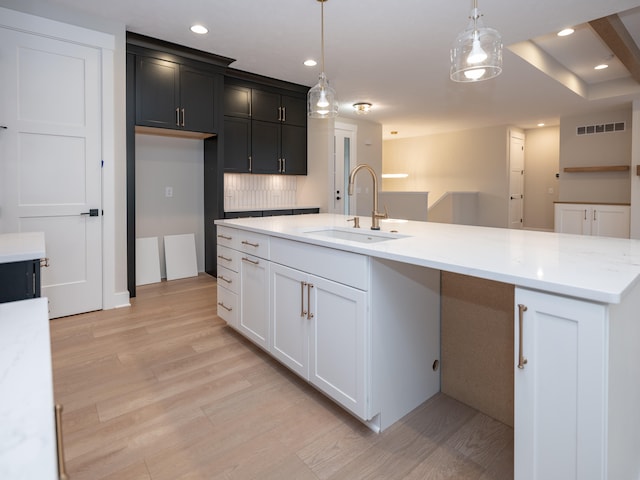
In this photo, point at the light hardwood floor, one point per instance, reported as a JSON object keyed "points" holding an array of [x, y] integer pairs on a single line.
{"points": [[165, 390]]}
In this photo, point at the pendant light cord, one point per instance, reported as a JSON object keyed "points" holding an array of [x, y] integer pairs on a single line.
{"points": [[322, 32]]}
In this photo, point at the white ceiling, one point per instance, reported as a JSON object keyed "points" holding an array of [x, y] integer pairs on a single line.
{"points": [[395, 54]]}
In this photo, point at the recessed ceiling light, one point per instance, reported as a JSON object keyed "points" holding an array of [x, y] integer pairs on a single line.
{"points": [[199, 29], [565, 32], [602, 66], [541, 124], [310, 63]]}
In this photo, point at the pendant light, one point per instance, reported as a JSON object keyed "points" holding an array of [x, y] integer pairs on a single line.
{"points": [[321, 99], [477, 51]]}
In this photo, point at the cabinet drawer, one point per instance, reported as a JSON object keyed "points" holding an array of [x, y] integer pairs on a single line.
{"points": [[254, 244], [228, 258], [343, 267], [227, 237], [228, 278], [228, 306]]}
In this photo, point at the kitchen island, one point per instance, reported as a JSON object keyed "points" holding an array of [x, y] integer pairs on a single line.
{"points": [[577, 361]]}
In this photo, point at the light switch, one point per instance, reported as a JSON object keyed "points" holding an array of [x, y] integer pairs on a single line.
{"points": [[168, 192]]}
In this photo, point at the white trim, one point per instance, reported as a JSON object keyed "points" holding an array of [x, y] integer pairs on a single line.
{"points": [[45, 27]]}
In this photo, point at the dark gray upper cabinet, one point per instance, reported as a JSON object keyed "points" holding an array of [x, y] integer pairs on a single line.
{"points": [[174, 96], [275, 139], [237, 101]]}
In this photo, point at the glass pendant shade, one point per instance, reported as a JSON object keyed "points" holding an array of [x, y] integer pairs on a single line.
{"points": [[477, 52], [321, 100]]}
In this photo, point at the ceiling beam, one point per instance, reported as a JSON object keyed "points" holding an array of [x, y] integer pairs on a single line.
{"points": [[616, 36]]}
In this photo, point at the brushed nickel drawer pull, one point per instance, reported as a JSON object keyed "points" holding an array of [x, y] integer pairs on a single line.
{"points": [[254, 262], [303, 312], [228, 309], [182, 118], [177, 116], [309, 314], [61, 467], [220, 235], [256, 245], [222, 257], [220, 277], [521, 360]]}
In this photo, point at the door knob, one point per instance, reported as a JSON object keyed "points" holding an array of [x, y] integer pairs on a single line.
{"points": [[94, 212]]}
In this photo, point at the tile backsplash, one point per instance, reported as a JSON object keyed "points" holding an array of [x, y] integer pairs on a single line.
{"points": [[258, 191]]}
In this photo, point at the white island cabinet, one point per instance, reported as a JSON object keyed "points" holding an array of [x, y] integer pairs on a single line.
{"points": [[576, 335]]}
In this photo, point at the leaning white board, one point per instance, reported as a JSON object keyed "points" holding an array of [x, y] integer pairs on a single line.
{"points": [[180, 256], [147, 261]]}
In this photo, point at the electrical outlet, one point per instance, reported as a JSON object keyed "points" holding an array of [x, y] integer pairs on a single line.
{"points": [[168, 192]]}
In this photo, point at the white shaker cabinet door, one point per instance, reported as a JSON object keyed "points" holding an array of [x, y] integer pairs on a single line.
{"points": [[339, 343], [573, 218], [289, 322], [254, 300], [560, 389]]}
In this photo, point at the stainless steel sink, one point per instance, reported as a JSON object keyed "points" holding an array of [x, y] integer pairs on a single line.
{"points": [[355, 235]]}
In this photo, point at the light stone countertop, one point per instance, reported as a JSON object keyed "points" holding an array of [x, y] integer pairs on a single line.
{"points": [[588, 267], [17, 247], [27, 421]]}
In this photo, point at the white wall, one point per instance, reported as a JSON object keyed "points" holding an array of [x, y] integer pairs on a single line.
{"points": [[177, 163], [541, 163], [470, 160], [601, 149]]}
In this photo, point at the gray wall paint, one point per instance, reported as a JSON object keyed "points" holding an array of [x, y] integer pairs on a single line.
{"points": [[600, 149], [170, 162]]}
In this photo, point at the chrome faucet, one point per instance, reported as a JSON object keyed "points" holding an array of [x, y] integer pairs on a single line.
{"points": [[375, 215]]}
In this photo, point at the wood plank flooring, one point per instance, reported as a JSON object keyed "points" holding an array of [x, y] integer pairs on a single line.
{"points": [[165, 390]]}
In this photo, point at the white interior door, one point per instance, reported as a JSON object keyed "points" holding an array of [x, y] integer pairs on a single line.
{"points": [[50, 161], [516, 180], [343, 161]]}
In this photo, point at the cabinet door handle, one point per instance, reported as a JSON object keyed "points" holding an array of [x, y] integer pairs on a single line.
{"points": [[254, 262], [256, 245], [177, 116], [220, 235], [594, 215], [183, 118], [284, 165], [61, 467], [228, 309], [220, 277], [222, 257], [309, 314], [521, 360], [303, 312], [585, 213], [284, 114], [250, 164], [279, 165]]}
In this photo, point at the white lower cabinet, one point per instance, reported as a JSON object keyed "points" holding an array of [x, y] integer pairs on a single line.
{"points": [[254, 300], [319, 330], [591, 219], [560, 389]]}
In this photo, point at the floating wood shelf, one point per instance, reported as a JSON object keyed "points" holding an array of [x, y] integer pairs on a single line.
{"points": [[608, 168]]}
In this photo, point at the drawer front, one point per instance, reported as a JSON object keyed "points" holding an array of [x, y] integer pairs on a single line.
{"points": [[227, 237], [228, 278], [343, 267], [228, 306], [254, 244], [228, 258]]}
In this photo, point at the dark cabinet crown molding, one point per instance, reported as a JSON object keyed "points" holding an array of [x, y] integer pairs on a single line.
{"points": [[141, 44]]}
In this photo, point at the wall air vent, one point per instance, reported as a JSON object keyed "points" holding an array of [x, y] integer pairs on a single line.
{"points": [[601, 128]]}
